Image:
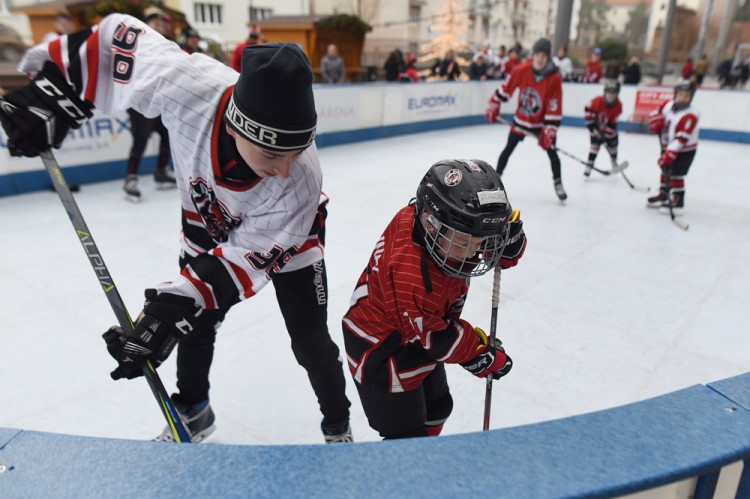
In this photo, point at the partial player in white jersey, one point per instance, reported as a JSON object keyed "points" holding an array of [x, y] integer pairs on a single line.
{"points": [[676, 122], [249, 180]]}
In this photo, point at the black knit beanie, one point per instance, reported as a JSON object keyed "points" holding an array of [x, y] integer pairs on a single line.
{"points": [[542, 45], [272, 104]]}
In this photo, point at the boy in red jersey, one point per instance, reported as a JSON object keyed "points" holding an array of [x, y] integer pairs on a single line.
{"points": [[601, 119], [539, 108], [676, 122], [405, 320]]}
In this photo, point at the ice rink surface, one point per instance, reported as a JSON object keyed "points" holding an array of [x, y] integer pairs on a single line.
{"points": [[611, 304]]}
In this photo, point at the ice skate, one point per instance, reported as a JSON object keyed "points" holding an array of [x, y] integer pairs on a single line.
{"points": [[559, 190], [132, 193], [164, 178], [198, 420], [337, 433], [678, 204], [589, 167], [657, 201]]}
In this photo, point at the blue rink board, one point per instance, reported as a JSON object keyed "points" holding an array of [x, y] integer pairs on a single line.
{"points": [[622, 450]]}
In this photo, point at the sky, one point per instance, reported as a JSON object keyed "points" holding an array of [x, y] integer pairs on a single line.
{"points": [[611, 303]]}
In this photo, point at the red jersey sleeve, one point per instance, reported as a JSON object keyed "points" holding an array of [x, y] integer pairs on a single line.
{"points": [[553, 101]]}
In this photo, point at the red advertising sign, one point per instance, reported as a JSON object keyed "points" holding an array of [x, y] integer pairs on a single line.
{"points": [[648, 99]]}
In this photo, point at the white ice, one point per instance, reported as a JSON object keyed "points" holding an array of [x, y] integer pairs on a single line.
{"points": [[611, 304]]}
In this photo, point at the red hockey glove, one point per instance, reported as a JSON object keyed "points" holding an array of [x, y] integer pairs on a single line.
{"points": [[656, 122], [547, 137], [516, 245], [165, 319], [667, 158], [493, 108], [489, 361]]}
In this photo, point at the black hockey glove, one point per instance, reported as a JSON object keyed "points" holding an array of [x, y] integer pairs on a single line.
{"points": [[165, 319], [516, 245], [490, 361], [40, 115]]}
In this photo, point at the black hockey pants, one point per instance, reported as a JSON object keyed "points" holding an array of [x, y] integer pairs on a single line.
{"points": [[142, 128], [407, 414], [302, 296], [513, 140]]}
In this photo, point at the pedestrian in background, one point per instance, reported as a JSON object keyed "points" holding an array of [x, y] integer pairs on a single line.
{"points": [[332, 66]]}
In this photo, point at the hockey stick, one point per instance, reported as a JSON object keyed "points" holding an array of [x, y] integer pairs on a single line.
{"points": [[614, 170], [675, 220], [633, 186], [493, 341], [102, 274], [678, 222]]}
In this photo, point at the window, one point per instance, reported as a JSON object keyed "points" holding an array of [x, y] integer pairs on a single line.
{"points": [[208, 14], [258, 14], [415, 11]]}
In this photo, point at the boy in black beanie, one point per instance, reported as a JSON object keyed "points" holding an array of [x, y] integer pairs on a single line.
{"points": [[249, 179]]}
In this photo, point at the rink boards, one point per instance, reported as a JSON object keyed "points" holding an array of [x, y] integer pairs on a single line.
{"points": [[98, 151], [694, 441]]}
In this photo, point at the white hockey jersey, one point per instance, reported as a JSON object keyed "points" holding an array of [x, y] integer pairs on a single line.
{"points": [[681, 128], [257, 228]]}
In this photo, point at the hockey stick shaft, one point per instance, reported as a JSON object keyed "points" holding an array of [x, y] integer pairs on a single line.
{"points": [[632, 185], [566, 153], [110, 290], [668, 178], [678, 222], [493, 334]]}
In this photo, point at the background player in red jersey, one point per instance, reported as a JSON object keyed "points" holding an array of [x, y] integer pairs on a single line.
{"points": [[405, 319], [601, 119], [539, 107], [676, 122], [592, 71]]}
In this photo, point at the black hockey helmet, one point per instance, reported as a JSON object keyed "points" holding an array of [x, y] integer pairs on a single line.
{"points": [[462, 210], [611, 87], [683, 86]]}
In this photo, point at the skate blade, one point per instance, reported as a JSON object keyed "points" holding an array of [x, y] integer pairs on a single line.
{"points": [[195, 439]]}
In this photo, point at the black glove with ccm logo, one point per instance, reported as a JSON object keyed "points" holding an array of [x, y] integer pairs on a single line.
{"points": [[40, 115], [166, 318]]}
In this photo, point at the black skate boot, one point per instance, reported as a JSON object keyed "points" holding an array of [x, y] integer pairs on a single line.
{"points": [[559, 190], [678, 204], [337, 432], [589, 167], [659, 200], [132, 193], [198, 420], [164, 178]]}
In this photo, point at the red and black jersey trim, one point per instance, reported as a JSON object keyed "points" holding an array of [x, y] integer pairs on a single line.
{"points": [[210, 270], [75, 41]]}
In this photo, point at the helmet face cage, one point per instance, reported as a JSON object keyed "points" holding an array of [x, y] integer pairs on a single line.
{"points": [[612, 88], [460, 254], [684, 86], [463, 212]]}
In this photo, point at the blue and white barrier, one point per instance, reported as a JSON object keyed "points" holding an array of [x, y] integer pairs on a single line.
{"points": [[350, 113], [691, 443]]}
